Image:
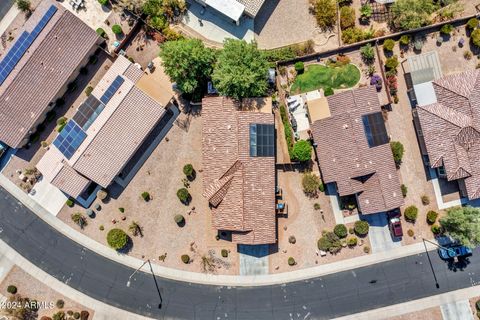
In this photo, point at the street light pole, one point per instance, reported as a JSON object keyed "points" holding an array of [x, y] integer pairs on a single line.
{"points": [[154, 279], [431, 265], [130, 278]]}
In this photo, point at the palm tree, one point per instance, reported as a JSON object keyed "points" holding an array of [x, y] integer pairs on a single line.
{"points": [[79, 219], [135, 229]]}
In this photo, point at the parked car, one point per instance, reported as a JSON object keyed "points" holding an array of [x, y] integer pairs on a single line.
{"points": [[454, 251], [394, 223]]}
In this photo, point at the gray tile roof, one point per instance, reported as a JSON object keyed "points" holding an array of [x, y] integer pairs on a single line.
{"points": [[240, 188], [43, 71], [451, 128], [346, 158]]}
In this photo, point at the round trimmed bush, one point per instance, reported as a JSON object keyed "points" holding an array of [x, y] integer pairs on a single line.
{"points": [[388, 45], [340, 230], [183, 195], [69, 203], [328, 91], [352, 241], [446, 29], [411, 214], [475, 36], [188, 170], [185, 258], [391, 63], [179, 219], [366, 249], [291, 261], [361, 227], [117, 29], [117, 239], [146, 196], [76, 315], [472, 23], [224, 253], [329, 242], [410, 232], [292, 239], [431, 217], [12, 289], [299, 67], [316, 206], [477, 305], [405, 39], [103, 2], [436, 229], [60, 303]]}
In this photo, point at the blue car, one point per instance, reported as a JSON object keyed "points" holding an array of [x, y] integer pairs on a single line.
{"points": [[450, 252]]}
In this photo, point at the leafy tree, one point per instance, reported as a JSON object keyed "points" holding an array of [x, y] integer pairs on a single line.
{"points": [[241, 70], [463, 224], [325, 13], [24, 6], [412, 14], [472, 23], [368, 54], [117, 239], [475, 36], [302, 150], [347, 17], [188, 63], [361, 227], [311, 184], [411, 213], [405, 40], [329, 242], [397, 150]]}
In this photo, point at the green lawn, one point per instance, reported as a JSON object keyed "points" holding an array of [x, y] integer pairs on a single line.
{"points": [[318, 76]]}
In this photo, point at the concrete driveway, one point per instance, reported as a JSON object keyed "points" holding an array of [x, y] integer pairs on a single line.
{"points": [[379, 234], [459, 310], [253, 259]]}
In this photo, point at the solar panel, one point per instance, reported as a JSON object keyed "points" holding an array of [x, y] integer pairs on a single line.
{"points": [[112, 89], [21, 45], [69, 139], [375, 130], [262, 140], [87, 112]]}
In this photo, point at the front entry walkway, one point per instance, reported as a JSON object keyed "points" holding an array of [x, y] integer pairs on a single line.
{"points": [[253, 259]]}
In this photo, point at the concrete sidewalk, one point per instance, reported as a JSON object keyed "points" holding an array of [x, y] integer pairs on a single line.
{"points": [[201, 278]]}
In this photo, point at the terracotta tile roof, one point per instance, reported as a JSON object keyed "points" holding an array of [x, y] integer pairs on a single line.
{"points": [[43, 71], [252, 7], [451, 128], [70, 181], [346, 158], [240, 188]]}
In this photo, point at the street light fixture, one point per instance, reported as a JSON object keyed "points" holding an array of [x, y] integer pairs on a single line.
{"points": [[430, 261], [154, 279], [130, 278]]}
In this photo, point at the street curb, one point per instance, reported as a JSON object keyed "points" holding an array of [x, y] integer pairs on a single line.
{"points": [[201, 278]]}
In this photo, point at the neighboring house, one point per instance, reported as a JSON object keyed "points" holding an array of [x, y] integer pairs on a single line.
{"points": [[238, 154], [353, 149], [101, 140], [450, 125], [35, 71], [235, 9]]}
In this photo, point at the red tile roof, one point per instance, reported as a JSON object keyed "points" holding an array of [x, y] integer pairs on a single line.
{"points": [[346, 158], [240, 188], [451, 128]]}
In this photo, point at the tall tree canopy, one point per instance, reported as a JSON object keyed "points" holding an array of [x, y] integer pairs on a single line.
{"points": [[188, 63], [463, 224], [241, 70], [411, 14]]}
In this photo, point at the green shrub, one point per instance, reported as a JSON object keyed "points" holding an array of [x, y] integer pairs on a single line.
{"points": [[60, 303], [352, 241], [425, 200], [352, 35], [122, 210], [299, 67], [69, 202], [411, 214], [60, 315], [329, 242], [340, 230], [397, 151], [328, 91], [79, 219], [410, 232], [291, 261], [117, 29], [101, 228], [292, 239], [436, 229], [302, 151], [76, 315], [361, 227], [366, 249], [475, 36], [477, 305], [188, 170], [311, 184], [183, 195], [179, 219], [351, 231], [224, 253], [185, 258], [368, 54], [88, 90], [117, 239], [446, 29], [12, 289], [431, 217], [103, 2], [61, 121], [316, 206], [404, 190], [391, 63], [405, 40], [347, 17], [145, 196], [388, 45], [472, 23]]}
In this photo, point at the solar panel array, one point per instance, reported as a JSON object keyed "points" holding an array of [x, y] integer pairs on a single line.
{"points": [[22, 44], [69, 139], [112, 89], [375, 130], [262, 140], [87, 112]]}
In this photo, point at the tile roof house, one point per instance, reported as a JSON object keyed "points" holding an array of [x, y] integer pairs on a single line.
{"points": [[451, 129], [35, 70], [235, 9], [238, 157], [104, 134], [353, 150]]}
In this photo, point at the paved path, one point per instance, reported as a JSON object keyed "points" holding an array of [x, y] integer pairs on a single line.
{"points": [[324, 297], [458, 310]]}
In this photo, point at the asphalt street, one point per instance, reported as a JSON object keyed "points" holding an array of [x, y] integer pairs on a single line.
{"points": [[325, 297]]}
